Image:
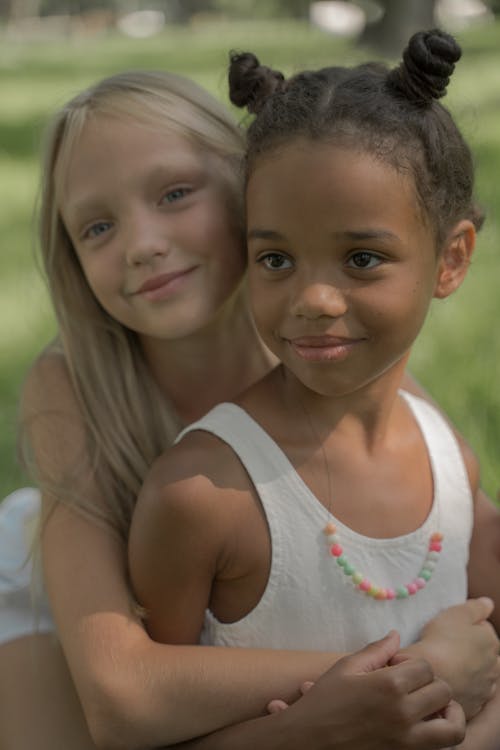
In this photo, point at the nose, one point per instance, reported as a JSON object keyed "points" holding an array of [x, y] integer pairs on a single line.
{"points": [[146, 238], [317, 300]]}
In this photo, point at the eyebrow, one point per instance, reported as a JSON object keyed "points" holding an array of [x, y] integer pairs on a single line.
{"points": [[366, 234], [355, 236], [91, 203], [264, 234]]}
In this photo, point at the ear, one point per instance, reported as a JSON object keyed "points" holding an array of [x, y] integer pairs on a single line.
{"points": [[455, 258]]}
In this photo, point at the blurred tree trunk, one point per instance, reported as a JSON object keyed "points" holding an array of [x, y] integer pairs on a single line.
{"points": [[297, 8], [24, 9], [180, 11], [401, 19]]}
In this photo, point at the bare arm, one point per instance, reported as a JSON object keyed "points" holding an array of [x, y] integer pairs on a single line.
{"points": [[134, 692], [137, 693], [177, 542], [484, 555], [483, 731], [357, 705]]}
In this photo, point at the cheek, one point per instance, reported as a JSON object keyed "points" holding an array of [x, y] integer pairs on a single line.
{"points": [[267, 310]]}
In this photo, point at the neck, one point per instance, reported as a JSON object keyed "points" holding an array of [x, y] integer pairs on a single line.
{"points": [[211, 365], [365, 413]]}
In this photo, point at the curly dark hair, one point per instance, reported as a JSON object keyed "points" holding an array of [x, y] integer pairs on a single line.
{"points": [[392, 114]]}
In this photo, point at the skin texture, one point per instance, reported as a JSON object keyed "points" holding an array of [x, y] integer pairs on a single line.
{"points": [[342, 270], [158, 208], [137, 693]]}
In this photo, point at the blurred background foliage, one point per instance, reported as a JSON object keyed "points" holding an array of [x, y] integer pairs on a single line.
{"points": [[49, 49]]}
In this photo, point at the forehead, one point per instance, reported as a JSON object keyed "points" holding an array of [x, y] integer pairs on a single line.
{"points": [[109, 151], [303, 180]]}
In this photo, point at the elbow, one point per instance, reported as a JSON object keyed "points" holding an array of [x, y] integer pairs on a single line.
{"points": [[114, 724]]}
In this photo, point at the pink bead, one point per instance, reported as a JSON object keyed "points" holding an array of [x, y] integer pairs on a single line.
{"points": [[420, 582], [330, 528], [412, 587], [435, 546], [391, 594], [436, 537], [336, 550], [365, 585]]}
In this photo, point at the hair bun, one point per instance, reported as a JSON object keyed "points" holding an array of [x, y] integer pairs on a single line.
{"points": [[428, 62], [251, 83]]}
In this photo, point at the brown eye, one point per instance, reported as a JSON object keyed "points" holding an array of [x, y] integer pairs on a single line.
{"points": [[364, 259], [275, 262]]}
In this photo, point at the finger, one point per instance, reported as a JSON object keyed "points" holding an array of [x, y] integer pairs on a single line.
{"points": [[276, 706], [488, 627], [444, 731], [372, 657], [409, 676], [429, 700], [399, 658], [478, 609], [306, 686]]}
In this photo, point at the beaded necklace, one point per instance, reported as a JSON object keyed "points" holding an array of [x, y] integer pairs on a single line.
{"points": [[360, 582], [381, 593]]}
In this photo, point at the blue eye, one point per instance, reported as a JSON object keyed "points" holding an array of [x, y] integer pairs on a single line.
{"points": [[275, 262], [364, 259], [174, 195], [97, 229]]}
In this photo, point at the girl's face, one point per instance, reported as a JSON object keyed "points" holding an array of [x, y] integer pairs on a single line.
{"points": [[342, 266], [149, 217]]}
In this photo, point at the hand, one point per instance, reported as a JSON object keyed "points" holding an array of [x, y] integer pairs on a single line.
{"points": [[483, 731], [463, 650], [362, 704]]}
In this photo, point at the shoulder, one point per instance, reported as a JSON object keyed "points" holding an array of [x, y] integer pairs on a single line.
{"points": [[197, 490], [469, 458], [471, 463], [187, 512], [52, 423], [211, 456], [47, 383], [195, 478]]}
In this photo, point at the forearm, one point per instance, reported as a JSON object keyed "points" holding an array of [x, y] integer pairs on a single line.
{"points": [[462, 648], [160, 694], [483, 731], [266, 733]]}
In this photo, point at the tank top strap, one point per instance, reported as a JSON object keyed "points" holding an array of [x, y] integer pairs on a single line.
{"points": [[447, 462], [262, 458]]}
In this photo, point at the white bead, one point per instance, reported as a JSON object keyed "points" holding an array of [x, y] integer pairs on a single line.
{"points": [[332, 539], [433, 555]]}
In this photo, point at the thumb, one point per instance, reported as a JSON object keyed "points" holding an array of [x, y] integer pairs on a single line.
{"points": [[374, 656], [477, 610]]}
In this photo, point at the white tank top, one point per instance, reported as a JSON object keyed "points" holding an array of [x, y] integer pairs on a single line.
{"points": [[309, 603]]}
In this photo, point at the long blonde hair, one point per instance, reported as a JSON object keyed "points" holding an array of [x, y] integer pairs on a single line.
{"points": [[127, 420]]}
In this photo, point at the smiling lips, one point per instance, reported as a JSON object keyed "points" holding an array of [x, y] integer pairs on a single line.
{"points": [[163, 285], [323, 348]]}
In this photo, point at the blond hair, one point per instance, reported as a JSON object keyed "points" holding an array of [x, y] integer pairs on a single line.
{"points": [[128, 422]]}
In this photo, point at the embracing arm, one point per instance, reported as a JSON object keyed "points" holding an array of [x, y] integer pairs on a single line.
{"points": [[359, 704], [135, 693], [484, 554]]}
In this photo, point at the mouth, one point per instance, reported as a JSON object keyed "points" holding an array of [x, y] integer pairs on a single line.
{"points": [[323, 348], [163, 285]]}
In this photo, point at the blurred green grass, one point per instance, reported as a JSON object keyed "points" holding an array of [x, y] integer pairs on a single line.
{"points": [[458, 355]]}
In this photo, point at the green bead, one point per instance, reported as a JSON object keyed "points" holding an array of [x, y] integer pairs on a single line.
{"points": [[341, 561], [357, 577], [402, 592], [348, 569], [425, 574]]}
